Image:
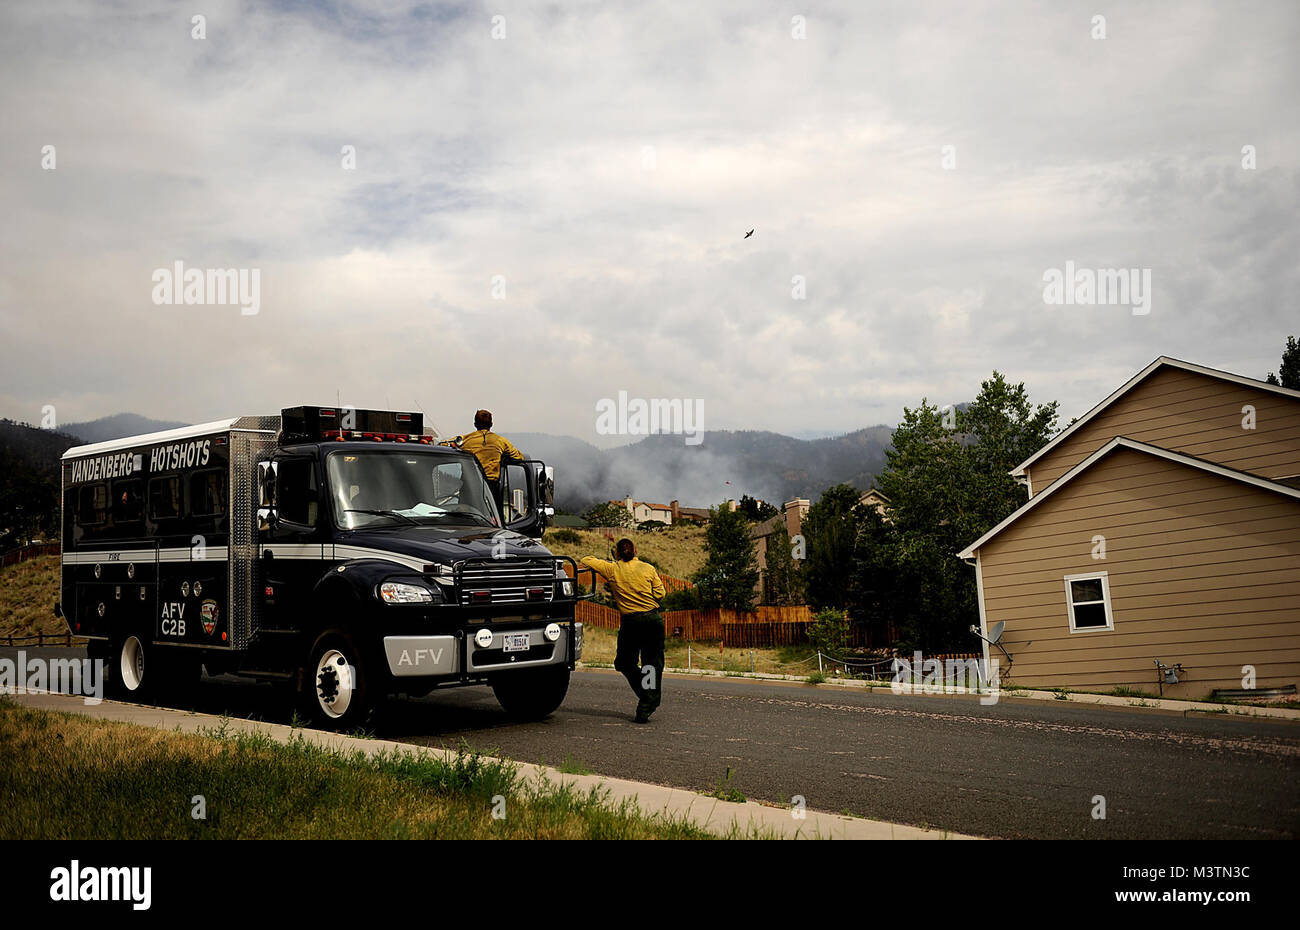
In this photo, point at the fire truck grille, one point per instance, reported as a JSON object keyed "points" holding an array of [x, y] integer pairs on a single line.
{"points": [[508, 583]]}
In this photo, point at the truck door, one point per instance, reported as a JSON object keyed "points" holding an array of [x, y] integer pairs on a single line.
{"points": [[527, 496], [291, 550]]}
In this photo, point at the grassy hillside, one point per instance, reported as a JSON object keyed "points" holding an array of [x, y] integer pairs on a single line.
{"points": [[27, 595], [677, 551]]}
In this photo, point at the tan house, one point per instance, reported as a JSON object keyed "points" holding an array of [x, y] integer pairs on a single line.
{"points": [[1163, 526]]}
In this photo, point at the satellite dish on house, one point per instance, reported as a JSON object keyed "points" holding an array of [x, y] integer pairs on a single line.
{"points": [[995, 634]]}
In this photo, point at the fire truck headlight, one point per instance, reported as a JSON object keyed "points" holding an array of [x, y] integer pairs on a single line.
{"points": [[552, 631], [394, 592], [483, 637]]}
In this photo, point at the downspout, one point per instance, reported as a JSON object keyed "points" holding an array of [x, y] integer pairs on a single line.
{"points": [[984, 623]]}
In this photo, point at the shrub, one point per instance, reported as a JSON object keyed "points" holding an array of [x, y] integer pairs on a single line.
{"points": [[608, 515], [684, 599], [829, 631], [566, 535]]}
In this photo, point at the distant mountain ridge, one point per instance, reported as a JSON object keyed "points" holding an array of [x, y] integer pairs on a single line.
{"points": [[727, 464], [117, 426]]}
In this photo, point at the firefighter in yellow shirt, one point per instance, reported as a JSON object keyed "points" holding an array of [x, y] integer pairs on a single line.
{"points": [[489, 448], [637, 591]]}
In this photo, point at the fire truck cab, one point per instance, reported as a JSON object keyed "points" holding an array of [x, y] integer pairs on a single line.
{"points": [[343, 553]]}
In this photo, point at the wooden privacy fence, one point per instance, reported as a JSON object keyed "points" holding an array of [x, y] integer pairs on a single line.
{"points": [[767, 626], [28, 552]]}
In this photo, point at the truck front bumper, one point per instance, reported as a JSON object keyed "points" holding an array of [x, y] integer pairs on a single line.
{"points": [[423, 656]]}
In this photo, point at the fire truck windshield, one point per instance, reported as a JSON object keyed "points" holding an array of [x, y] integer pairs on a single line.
{"points": [[383, 488]]}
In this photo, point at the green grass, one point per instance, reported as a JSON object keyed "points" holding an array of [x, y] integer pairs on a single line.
{"points": [[72, 777], [725, 791], [571, 766], [1126, 691]]}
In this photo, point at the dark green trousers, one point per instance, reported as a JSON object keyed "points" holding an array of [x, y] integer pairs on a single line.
{"points": [[641, 644]]}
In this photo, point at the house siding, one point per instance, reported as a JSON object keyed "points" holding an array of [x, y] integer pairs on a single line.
{"points": [[1203, 570], [1192, 413]]}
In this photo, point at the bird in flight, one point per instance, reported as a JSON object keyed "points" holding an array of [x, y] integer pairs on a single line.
{"points": [[748, 234]]}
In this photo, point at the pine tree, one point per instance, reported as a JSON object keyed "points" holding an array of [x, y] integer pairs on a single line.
{"points": [[730, 572], [1290, 370]]}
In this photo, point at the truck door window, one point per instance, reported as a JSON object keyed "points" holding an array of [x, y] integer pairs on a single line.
{"points": [[296, 491], [515, 487]]}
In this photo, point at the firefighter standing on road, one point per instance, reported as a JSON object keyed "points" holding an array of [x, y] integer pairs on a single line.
{"points": [[489, 448], [638, 591]]}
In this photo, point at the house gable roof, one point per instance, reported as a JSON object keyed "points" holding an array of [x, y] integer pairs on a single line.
{"points": [[1122, 442], [1163, 361]]}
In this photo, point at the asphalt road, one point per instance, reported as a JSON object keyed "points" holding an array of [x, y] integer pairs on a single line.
{"points": [[1017, 769]]}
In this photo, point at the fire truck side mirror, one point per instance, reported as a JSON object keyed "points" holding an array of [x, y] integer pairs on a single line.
{"points": [[266, 472], [266, 515], [547, 482]]}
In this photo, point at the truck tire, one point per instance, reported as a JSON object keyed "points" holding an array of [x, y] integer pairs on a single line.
{"points": [[131, 668], [336, 693], [532, 694]]}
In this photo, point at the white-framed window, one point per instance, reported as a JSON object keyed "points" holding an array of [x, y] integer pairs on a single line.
{"points": [[1088, 599]]}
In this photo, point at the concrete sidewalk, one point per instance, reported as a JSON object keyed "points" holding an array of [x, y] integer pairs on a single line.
{"points": [[711, 814]]}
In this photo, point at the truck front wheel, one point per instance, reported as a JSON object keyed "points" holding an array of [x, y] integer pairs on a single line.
{"points": [[336, 694], [531, 694]]}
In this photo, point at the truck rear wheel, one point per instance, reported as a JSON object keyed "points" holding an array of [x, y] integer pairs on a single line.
{"points": [[131, 668], [531, 694], [336, 693]]}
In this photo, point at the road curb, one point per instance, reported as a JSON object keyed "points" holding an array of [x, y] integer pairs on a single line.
{"points": [[711, 814], [1197, 708]]}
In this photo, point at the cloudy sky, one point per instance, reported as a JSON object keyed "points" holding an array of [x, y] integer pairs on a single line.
{"points": [[600, 162]]}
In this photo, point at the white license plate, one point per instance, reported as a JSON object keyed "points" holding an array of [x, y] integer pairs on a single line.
{"points": [[514, 642]]}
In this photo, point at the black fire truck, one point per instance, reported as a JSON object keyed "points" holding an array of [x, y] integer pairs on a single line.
{"points": [[344, 553]]}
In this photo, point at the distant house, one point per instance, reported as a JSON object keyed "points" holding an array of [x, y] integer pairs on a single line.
{"points": [[569, 520], [644, 511], [874, 498], [792, 516], [697, 515], [1163, 525]]}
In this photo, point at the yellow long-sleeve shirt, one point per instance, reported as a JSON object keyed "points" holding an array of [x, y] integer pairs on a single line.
{"points": [[636, 584], [488, 447]]}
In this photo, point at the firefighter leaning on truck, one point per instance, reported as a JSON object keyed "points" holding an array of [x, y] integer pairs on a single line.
{"points": [[489, 448], [637, 591]]}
